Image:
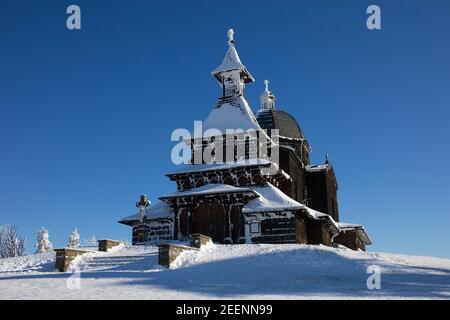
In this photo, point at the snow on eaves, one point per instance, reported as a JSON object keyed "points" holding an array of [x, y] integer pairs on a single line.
{"points": [[234, 115], [358, 228], [315, 168], [231, 61], [158, 210], [273, 199], [220, 166], [212, 188], [270, 199], [349, 226]]}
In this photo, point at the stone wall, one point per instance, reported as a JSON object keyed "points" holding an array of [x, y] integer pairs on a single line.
{"points": [[167, 253], [198, 240], [65, 256], [157, 231], [105, 245]]}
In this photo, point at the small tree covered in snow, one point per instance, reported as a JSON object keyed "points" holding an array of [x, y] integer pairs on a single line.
{"points": [[91, 242], [74, 240], [11, 244], [43, 244]]}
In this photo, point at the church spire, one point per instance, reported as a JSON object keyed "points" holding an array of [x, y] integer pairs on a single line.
{"points": [[232, 74], [267, 99]]}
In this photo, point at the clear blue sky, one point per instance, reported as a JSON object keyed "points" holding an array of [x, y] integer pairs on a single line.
{"points": [[86, 116]]}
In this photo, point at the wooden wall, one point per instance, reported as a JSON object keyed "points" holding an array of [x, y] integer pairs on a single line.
{"points": [[322, 192], [351, 240]]}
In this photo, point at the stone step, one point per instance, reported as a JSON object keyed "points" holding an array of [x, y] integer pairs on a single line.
{"points": [[118, 260]]}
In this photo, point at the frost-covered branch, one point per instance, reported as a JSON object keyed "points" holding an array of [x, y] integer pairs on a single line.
{"points": [[11, 244]]}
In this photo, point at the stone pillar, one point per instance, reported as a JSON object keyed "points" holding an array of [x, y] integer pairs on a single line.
{"points": [[65, 256], [198, 240], [105, 245], [168, 252]]}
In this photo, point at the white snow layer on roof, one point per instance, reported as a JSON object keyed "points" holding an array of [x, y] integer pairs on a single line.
{"points": [[231, 61], [228, 116], [349, 226], [358, 228], [159, 210], [320, 167], [271, 199], [219, 166], [211, 188]]}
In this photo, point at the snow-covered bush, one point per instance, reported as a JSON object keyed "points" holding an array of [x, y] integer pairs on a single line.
{"points": [[91, 242], [43, 243], [74, 239], [11, 244]]}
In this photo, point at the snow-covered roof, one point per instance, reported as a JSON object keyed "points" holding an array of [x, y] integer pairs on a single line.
{"points": [[320, 167], [231, 61], [317, 215], [358, 228], [349, 226], [273, 199], [234, 113], [270, 198], [219, 166], [159, 210], [208, 189]]}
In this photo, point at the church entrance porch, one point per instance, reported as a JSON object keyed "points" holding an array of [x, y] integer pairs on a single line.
{"points": [[217, 215]]}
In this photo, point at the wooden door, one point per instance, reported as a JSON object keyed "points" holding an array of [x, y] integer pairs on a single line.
{"points": [[209, 219], [217, 214]]}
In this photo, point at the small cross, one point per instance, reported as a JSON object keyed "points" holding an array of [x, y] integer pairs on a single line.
{"points": [[266, 83], [231, 37]]}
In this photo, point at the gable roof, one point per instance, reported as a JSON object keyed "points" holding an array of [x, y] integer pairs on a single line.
{"points": [[270, 199], [231, 113], [358, 228], [231, 61], [159, 210]]}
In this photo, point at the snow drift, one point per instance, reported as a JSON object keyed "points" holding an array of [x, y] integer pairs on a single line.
{"points": [[287, 271]]}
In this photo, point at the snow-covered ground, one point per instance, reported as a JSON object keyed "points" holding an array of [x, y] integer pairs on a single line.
{"points": [[229, 272]]}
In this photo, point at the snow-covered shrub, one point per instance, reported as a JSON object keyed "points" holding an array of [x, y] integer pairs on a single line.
{"points": [[43, 243], [91, 242], [11, 244], [74, 239]]}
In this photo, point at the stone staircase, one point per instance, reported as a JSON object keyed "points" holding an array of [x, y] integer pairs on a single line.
{"points": [[127, 259]]}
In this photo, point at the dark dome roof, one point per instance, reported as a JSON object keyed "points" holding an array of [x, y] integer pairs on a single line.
{"points": [[281, 120]]}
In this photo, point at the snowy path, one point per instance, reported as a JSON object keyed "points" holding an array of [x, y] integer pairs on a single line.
{"points": [[230, 272]]}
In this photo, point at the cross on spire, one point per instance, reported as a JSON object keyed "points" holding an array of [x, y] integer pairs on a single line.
{"points": [[231, 37], [267, 98]]}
